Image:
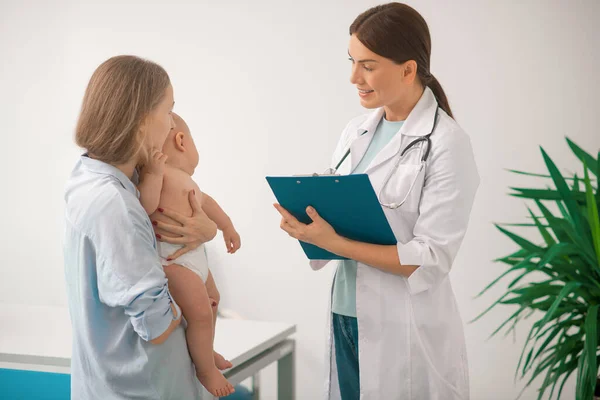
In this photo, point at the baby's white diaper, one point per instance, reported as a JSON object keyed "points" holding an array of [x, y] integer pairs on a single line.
{"points": [[194, 260]]}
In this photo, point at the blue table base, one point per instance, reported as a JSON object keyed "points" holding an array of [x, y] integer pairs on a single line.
{"points": [[33, 385]]}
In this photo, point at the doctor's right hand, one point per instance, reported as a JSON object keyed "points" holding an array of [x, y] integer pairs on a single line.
{"points": [[319, 233]]}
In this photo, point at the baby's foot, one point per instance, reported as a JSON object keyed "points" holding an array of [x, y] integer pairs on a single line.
{"points": [[215, 383], [221, 362]]}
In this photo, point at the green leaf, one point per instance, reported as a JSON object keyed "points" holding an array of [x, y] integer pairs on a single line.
{"points": [[591, 346], [525, 244], [516, 267], [552, 221], [587, 250], [547, 237], [556, 330], [566, 348], [514, 315], [565, 379], [565, 369], [576, 185], [530, 337], [489, 308], [545, 363], [566, 290], [564, 190], [522, 225], [581, 388], [533, 174], [544, 194], [557, 373], [598, 175], [518, 279], [558, 257], [593, 213], [585, 157], [514, 258]]}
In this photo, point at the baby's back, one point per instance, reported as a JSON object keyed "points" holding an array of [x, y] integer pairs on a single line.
{"points": [[175, 194]]}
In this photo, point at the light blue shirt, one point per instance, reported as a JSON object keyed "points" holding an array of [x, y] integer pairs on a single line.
{"points": [[118, 295], [344, 287]]}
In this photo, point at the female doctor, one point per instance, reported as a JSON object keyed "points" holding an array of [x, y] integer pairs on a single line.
{"points": [[396, 332]]}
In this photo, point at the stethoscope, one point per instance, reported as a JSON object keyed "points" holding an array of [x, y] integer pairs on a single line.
{"points": [[425, 139]]}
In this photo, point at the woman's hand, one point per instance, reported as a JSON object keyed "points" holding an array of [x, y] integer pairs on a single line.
{"points": [[192, 231], [318, 233]]}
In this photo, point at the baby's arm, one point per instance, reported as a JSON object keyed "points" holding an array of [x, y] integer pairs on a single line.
{"points": [[215, 212], [151, 181]]}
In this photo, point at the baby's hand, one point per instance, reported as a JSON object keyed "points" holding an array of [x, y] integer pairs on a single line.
{"points": [[156, 163], [232, 239]]}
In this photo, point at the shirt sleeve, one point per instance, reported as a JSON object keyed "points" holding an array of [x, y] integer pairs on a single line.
{"points": [[129, 272], [446, 201]]}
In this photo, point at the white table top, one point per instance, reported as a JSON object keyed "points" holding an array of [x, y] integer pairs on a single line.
{"points": [[21, 340]]}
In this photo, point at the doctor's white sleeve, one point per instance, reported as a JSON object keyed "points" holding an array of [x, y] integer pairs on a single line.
{"points": [[451, 182]]}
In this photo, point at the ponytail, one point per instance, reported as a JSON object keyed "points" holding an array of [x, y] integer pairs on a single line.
{"points": [[440, 95]]}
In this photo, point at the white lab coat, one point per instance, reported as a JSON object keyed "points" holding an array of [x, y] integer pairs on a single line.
{"points": [[411, 339]]}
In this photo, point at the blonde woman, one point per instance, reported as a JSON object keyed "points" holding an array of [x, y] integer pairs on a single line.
{"points": [[127, 342]]}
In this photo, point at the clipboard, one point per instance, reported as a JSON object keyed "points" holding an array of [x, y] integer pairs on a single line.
{"points": [[346, 202]]}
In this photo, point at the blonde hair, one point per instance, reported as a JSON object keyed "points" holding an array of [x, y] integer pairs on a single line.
{"points": [[120, 95]]}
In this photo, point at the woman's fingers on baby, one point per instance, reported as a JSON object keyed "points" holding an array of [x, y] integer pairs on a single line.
{"points": [[173, 215], [169, 227], [172, 240], [179, 253]]}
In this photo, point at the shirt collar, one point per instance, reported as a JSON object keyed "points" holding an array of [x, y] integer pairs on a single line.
{"points": [[100, 167], [418, 123]]}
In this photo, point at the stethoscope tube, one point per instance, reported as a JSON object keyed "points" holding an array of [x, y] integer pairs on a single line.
{"points": [[424, 158], [411, 144]]}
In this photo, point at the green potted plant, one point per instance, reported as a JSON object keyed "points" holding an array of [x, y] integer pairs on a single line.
{"points": [[556, 280]]}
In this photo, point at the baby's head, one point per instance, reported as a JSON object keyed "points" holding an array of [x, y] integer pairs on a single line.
{"points": [[180, 147]]}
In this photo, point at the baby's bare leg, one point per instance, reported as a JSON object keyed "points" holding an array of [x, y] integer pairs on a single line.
{"points": [[215, 298], [190, 293], [213, 295]]}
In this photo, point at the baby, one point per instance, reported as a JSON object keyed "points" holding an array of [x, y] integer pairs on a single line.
{"points": [[167, 180]]}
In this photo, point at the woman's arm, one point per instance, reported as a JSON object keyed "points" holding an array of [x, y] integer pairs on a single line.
{"points": [[321, 234], [381, 257], [174, 324], [130, 276]]}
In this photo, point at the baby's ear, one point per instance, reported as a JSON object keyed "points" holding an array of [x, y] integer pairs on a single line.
{"points": [[179, 141]]}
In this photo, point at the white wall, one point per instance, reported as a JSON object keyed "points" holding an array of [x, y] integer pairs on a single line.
{"points": [[264, 87]]}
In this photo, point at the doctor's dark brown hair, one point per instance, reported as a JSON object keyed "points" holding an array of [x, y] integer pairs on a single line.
{"points": [[399, 33]]}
